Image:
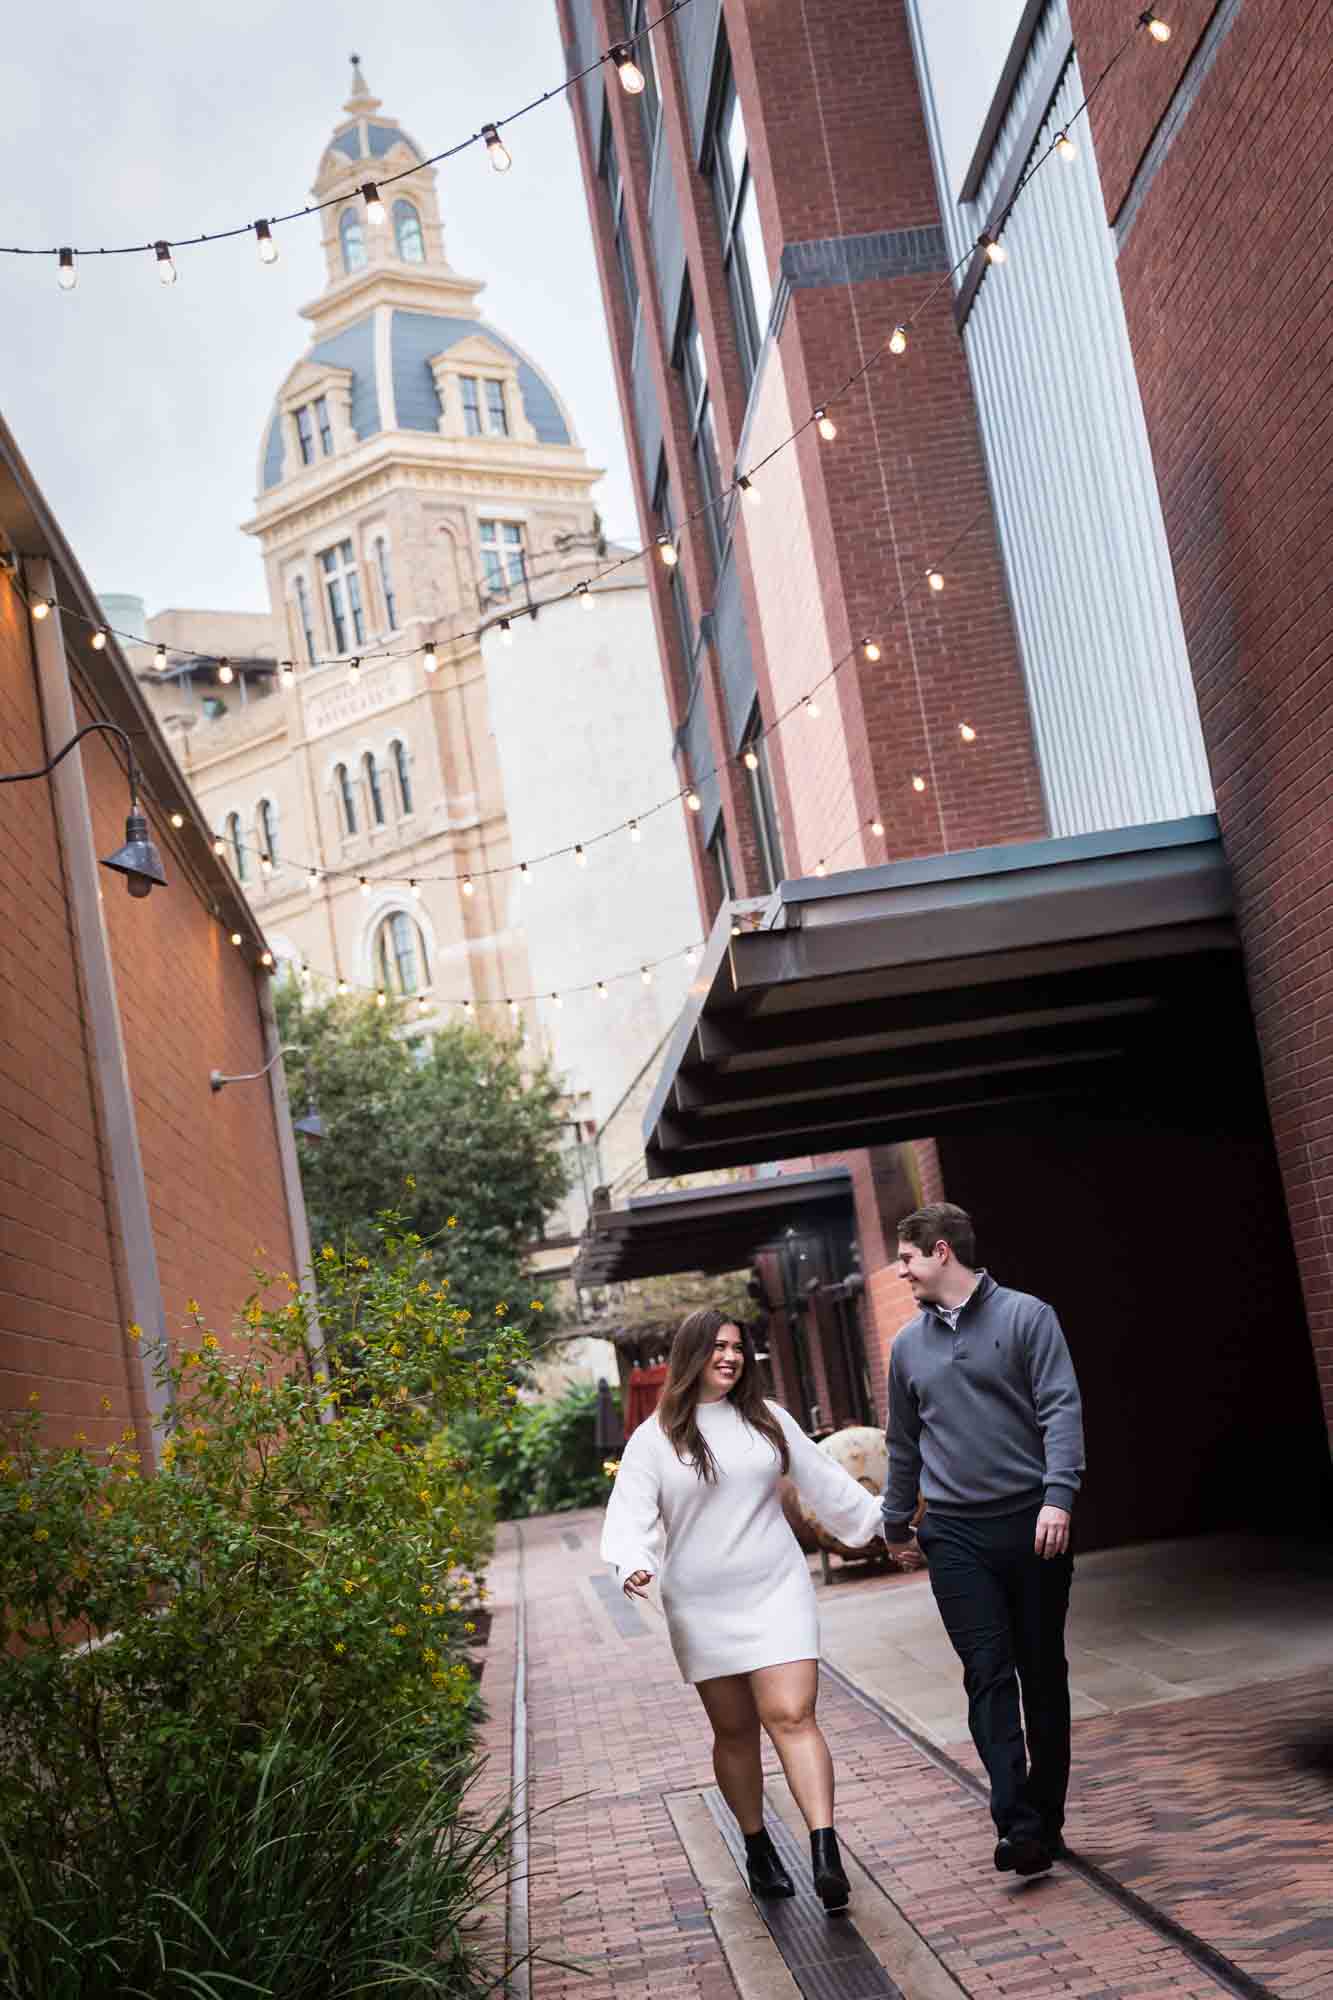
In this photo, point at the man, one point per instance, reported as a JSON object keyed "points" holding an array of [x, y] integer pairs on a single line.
{"points": [[985, 1415]]}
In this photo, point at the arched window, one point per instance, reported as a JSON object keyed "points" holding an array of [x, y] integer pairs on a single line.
{"points": [[407, 233], [346, 797], [402, 772], [240, 860], [353, 238], [268, 829], [374, 787], [400, 955]]}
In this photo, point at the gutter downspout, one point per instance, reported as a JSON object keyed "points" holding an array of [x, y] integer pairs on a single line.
{"points": [[120, 1131], [291, 1175]]}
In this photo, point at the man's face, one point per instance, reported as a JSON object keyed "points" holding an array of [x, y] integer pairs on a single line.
{"points": [[923, 1270]]}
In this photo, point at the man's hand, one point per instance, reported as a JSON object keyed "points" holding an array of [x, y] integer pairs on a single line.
{"points": [[637, 1582], [904, 1554], [1052, 1531]]}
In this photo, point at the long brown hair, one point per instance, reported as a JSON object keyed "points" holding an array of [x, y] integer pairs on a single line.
{"points": [[677, 1412]]}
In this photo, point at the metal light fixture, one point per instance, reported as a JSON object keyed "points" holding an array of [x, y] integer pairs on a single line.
{"points": [[310, 1125], [138, 860]]}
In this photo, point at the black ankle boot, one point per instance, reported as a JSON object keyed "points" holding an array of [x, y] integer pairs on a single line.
{"points": [[768, 1877], [831, 1885]]}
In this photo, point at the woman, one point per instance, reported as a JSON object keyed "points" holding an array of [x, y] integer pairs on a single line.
{"points": [[735, 1587]]}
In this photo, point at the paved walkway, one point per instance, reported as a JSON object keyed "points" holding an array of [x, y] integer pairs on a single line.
{"points": [[1213, 1810]]}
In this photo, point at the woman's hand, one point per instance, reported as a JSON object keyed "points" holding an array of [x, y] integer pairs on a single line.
{"points": [[637, 1582]]}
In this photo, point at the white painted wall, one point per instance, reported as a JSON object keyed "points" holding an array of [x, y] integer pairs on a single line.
{"points": [[965, 43]]}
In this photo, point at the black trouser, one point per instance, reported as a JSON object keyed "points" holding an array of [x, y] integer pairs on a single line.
{"points": [[1004, 1608]]}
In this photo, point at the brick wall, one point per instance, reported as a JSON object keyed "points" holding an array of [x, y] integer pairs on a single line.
{"points": [[1227, 285]]}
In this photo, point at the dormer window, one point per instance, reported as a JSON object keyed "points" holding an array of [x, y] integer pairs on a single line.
{"points": [[312, 418], [407, 233], [353, 238], [488, 416]]}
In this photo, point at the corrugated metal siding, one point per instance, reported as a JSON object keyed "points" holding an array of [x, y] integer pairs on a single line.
{"points": [[664, 224], [732, 640], [1113, 706], [696, 28]]}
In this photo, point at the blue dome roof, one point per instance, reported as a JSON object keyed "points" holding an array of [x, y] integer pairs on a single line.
{"points": [[369, 140], [413, 339]]}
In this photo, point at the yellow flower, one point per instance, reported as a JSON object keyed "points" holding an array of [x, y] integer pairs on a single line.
{"points": [[396, 1347], [535, 1305], [34, 1398], [191, 1359], [42, 1535], [80, 1437], [452, 1222], [429, 1655], [292, 1285], [469, 1627], [409, 1180], [454, 1604], [320, 1376], [349, 1586], [106, 1404], [338, 1646], [424, 1287], [424, 1496], [25, 1503], [610, 1466], [192, 1307], [327, 1253], [438, 1679], [501, 1310], [363, 1263], [210, 1340], [510, 1390], [254, 1388], [127, 1435], [134, 1330], [400, 1631], [438, 1609]]}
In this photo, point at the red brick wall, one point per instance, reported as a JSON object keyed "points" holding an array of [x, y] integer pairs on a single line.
{"points": [[1227, 284], [188, 1004]]}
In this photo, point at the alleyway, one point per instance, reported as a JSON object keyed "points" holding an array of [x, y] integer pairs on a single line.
{"points": [[1204, 1822]]}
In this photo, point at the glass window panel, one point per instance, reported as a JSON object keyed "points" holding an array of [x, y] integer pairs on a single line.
{"points": [[403, 771], [495, 409], [239, 858], [268, 829], [407, 233], [347, 797], [305, 436], [325, 427], [386, 583], [471, 406], [353, 240], [374, 787], [303, 611], [750, 247], [337, 617], [354, 599]]}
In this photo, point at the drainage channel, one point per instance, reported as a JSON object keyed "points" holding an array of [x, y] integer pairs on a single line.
{"points": [[1206, 1956], [826, 1956]]}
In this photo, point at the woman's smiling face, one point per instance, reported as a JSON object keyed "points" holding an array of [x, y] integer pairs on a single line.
{"points": [[722, 1370]]}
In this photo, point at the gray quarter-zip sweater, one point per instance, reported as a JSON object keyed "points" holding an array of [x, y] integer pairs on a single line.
{"points": [[984, 1416]]}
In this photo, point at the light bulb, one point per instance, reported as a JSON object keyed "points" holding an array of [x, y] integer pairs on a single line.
{"points": [[735, 930], [602, 993], [469, 886], [98, 640], [430, 659], [512, 1005], [66, 275], [467, 1009], [166, 270], [354, 670], [225, 673], [828, 430], [363, 884], [501, 158], [219, 844], [370, 194], [287, 674], [1065, 147], [820, 869], [811, 706], [160, 659], [579, 856], [178, 820], [898, 340], [265, 864], [995, 252], [423, 1005], [268, 249], [1157, 28], [506, 633], [692, 953], [41, 608], [967, 732], [631, 76], [870, 649], [524, 873], [877, 826], [918, 783], [415, 887], [934, 579], [635, 830], [342, 987], [380, 996], [646, 974], [557, 1000], [751, 760], [583, 591], [668, 551], [694, 802], [236, 938], [266, 959], [749, 489], [315, 880]]}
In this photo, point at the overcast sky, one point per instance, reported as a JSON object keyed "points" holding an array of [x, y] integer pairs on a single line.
{"points": [[140, 408]]}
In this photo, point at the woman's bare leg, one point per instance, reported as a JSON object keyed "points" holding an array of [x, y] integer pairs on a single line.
{"points": [[785, 1697], [731, 1710]]}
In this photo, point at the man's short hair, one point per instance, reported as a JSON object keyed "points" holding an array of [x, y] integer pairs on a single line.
{"points": [[941, 1222]]}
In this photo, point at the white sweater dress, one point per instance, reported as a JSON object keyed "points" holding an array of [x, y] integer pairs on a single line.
{"points": [[734, 1583]]}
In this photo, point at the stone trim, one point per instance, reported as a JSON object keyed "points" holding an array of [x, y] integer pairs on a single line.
{"points": [[847, 260]]}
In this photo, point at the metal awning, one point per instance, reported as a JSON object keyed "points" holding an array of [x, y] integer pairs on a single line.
{"points": [[709, 1229], [941, 994]]}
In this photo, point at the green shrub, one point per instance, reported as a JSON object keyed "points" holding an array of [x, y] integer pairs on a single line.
{"points": [[549, 1462], [261, 1642]]}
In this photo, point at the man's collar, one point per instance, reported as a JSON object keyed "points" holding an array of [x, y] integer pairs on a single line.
{"points": [[984, 1285]]}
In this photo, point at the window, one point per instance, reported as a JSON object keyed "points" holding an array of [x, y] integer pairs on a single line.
{"points": [[666, 521], [764, 808], [738, 217], [386, 582], [325, 427], [373, 787], [721, 854], [471, 406], [346, 797], [353, 238], [268, 829], [305, 435], [703, 432], [502, 558], [615, 195], [402, 771], [497, 422], [302, 596], [240, 860], [637, 15], [309, 417], [407, 233], [400, 955], [342, 588]]}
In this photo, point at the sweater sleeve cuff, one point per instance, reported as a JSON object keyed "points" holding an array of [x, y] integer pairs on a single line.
{"points": [[1060, 1496], [896, 1527]]}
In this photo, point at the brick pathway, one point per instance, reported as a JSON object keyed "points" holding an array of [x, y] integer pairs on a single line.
{"points": [[615, 1908]]}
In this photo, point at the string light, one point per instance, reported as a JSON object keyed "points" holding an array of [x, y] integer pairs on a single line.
{"points": [[66, 275], [287, 674], [225, 674], [579, 855], [501, 157], [749, 489], [381, 998], [41, 608], [266, 960], [354, 670], [935, 579], [99, 639], [898, 340], [967, 732], [266, 864], [828, 430], [602, 992], [219, 844], [750, 759], [995, 252], [646, 974], [558, 1000], [430, 659], [583, 591], [469, 888], [811, 707], [694, 802], [1065, 146], [635, 831], [506, 633], [415, 888], [632, 78], [423, 1005], [524, 873], [268, 249], [363, 883], [160, 659], [668, 551], [370, 194], [178, 821], [1156, 26], [166, 270], [877, 826], [820, 869], [870, 649], [343, 989], [236, 938], [512, 1005], [918, 782]]}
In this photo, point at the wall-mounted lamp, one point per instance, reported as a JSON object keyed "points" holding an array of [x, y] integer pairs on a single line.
{"points": [[310, 1125], [138, 860]]}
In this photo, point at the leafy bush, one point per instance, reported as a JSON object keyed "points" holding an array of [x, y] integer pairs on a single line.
{"points": [[548, 1463], [255, 1655]]}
